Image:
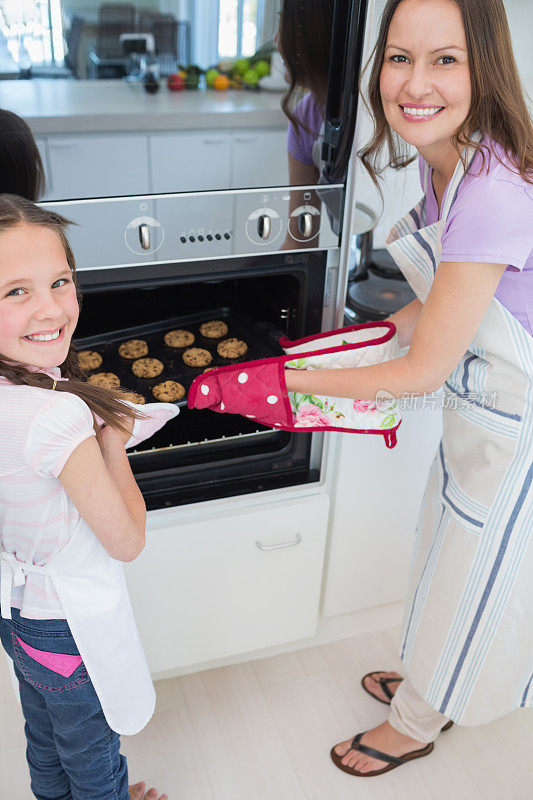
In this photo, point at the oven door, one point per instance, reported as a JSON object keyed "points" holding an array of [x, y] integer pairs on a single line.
{"points": [[201, 455]]}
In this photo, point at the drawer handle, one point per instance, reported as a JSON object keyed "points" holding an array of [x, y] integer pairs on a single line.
{"points": [[293, 543], [246, 139], [214, 141]]}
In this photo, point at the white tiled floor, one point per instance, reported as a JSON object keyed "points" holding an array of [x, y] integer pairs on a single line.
{"points": [[262, 730]]}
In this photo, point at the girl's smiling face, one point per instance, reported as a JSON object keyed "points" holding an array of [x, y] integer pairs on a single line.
{"points": [[425, 78], [38, 304]]}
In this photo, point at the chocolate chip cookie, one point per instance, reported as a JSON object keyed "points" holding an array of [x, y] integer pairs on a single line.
{"points": [[232, 348], [89, 359], [168, 391], [214, 329], [179, 338], [147, 367], [197, 357], [108, 380], [133, 348], [134, 397]]}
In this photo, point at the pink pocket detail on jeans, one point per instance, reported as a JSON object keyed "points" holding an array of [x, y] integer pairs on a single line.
{"points": [[61, 663]]}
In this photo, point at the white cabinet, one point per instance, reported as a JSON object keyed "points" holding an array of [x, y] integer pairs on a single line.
{"points": [[190, 162], [114, 165], [260, 159], [232, 582], [96, 165], [375, 503]]}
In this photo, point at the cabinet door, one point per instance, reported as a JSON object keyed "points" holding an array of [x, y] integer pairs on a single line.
{"points": [[260, 159], [229, 584], [97, 166], [190, 162], [375, 505]]}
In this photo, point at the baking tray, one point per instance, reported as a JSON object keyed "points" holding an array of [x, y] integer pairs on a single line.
{"points": [[261, 338]]}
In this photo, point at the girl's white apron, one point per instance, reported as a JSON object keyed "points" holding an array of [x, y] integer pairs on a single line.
{"points": [[467, 642], [93, 594]]}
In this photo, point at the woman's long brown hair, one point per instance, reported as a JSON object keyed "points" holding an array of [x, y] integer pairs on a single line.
{"points": [[498, 107], [15, 210], [305, 28]]}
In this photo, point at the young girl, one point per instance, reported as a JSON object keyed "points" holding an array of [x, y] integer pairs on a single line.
{"points": [[70, 511], [444, 80]]}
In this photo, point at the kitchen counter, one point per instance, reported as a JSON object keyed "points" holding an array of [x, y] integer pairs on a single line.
{"points": [[70, 106]]}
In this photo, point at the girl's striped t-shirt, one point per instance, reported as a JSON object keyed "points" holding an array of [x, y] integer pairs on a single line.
{"points": [[39, 430]]}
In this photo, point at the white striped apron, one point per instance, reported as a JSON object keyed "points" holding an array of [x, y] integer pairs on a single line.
{"points": [[467, 642]]}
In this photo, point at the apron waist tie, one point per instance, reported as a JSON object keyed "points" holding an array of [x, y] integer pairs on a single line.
{"points": [[13, 573]]}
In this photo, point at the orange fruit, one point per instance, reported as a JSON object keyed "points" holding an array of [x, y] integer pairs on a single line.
{"points": [[221, 82]]}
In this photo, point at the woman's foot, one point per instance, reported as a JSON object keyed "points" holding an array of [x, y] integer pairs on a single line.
{"points": [[384, 738], [138, 792], [372, 684]]}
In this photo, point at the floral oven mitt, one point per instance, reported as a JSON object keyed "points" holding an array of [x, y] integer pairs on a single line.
{"points": [[257, 390]]}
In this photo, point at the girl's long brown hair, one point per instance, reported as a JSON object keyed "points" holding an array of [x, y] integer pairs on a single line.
{"points": [[15, 210], [498, 107], [305, 28]]}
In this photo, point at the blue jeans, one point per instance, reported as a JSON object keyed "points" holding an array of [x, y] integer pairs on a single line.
{"points": [[72, 752]]}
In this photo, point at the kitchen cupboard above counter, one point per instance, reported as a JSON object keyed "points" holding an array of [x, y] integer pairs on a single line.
{"points": [[69, 106]]}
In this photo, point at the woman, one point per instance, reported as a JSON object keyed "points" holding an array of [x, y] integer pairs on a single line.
{"points": [[304, 41], [444, 80], [443, 77]]}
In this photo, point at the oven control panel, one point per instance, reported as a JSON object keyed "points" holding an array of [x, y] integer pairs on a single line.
{"points": [[124, 231]]}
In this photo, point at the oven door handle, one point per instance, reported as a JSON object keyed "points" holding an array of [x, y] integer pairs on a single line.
{"points": [[292, 543]]}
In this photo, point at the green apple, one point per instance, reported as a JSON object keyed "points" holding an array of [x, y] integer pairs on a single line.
{"points": [[210, 76], [262, 68], [241, 66], [251, 77]]}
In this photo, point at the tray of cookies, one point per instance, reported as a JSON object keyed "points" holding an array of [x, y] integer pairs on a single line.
{"points": [[160, 360]]}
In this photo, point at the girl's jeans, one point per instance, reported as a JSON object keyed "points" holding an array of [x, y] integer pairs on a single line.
{"points": [[72, 752]]}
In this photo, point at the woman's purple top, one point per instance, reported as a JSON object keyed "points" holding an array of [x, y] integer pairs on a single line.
{"points": [[491, 221], [300, 141]]}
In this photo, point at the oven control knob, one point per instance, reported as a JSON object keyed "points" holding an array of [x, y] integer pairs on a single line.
{"points": [[305, 224], [263, 226], [144, 236]]}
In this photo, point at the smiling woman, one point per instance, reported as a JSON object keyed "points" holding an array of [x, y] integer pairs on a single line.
{"points": [[462, 48]]}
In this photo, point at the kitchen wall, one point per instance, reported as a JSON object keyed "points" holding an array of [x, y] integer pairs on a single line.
{"points": [[402, 189]]}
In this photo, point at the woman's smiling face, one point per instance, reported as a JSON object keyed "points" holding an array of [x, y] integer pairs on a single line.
{"points": [[425, 77]]}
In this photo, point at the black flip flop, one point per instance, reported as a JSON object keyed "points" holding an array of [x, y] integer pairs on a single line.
{"points": [[383, 682], [392, 761]]}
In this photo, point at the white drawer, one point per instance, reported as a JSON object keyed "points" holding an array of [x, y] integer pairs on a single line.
{"points": [[97, 166], [260, 159], [206, 590], [190, 162]]}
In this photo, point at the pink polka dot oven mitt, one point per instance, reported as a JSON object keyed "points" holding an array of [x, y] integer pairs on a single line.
{"points": [[257, 389]]}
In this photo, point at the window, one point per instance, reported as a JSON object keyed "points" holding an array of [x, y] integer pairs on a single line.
{"points": [[32, 28], [237, 28]]}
